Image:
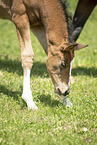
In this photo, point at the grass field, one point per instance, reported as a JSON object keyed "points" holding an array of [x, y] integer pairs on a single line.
{"points": [[52, 124]]}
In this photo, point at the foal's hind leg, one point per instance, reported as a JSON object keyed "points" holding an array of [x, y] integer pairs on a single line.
{"points": [[27, 55], [39, 32]]}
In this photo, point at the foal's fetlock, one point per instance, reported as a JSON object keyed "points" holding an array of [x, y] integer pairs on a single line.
{"points": [[27, 96]]}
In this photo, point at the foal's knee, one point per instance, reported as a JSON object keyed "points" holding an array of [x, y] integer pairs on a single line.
{"points": [[27, 60]]}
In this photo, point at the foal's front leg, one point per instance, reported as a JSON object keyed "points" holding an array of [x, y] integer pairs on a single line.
{"points": [[27, 55], [27, 94]]}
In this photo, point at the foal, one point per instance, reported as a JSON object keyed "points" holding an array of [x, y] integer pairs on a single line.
{"points": [[47, 21]]}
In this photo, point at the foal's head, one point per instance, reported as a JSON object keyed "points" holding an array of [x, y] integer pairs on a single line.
{"points": [[59, 65]]}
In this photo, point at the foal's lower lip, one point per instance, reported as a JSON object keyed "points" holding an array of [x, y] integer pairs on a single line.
{"points": [[67, 92]]}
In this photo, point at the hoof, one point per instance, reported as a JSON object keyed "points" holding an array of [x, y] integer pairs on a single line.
{"points": [[30, 103]]}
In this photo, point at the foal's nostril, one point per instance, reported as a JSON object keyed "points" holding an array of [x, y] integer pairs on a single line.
{"points": [[67, 92], [61, 93]]}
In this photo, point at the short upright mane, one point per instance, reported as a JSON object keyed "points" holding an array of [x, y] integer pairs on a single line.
{"points": [[68, 15]]}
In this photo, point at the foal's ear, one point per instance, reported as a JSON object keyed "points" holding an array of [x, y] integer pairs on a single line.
{"points": [[71, 46], [67, 46], [80, 46], [75, 46]]}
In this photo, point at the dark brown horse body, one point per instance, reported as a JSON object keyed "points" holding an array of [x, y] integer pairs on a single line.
{"points": [[82, 13]]}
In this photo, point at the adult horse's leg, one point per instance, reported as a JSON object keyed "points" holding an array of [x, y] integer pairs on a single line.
{"points": [[82, 13], [27, 55]]}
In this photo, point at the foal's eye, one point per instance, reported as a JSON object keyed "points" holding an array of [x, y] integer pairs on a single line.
{"points": [[64, 64]]}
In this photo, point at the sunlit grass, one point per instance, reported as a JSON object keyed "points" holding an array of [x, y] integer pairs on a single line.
{"points": [[52, 124]]}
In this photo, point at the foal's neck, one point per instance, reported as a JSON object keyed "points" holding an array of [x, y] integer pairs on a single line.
{"points": [[54, 21]]}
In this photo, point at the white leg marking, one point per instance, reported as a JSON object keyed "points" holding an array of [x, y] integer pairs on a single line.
{"points": [[27, 94]]}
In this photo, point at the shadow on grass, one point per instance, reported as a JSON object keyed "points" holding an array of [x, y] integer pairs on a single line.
{"points": [[39, 68], [90, 71], [46, 99], [11, 65], [13, 94]]}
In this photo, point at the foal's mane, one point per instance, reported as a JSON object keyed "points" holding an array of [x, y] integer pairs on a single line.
{"points": [[68, 15]]}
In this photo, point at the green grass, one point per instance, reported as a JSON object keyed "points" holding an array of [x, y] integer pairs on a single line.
{"points": [[52, 124]]}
